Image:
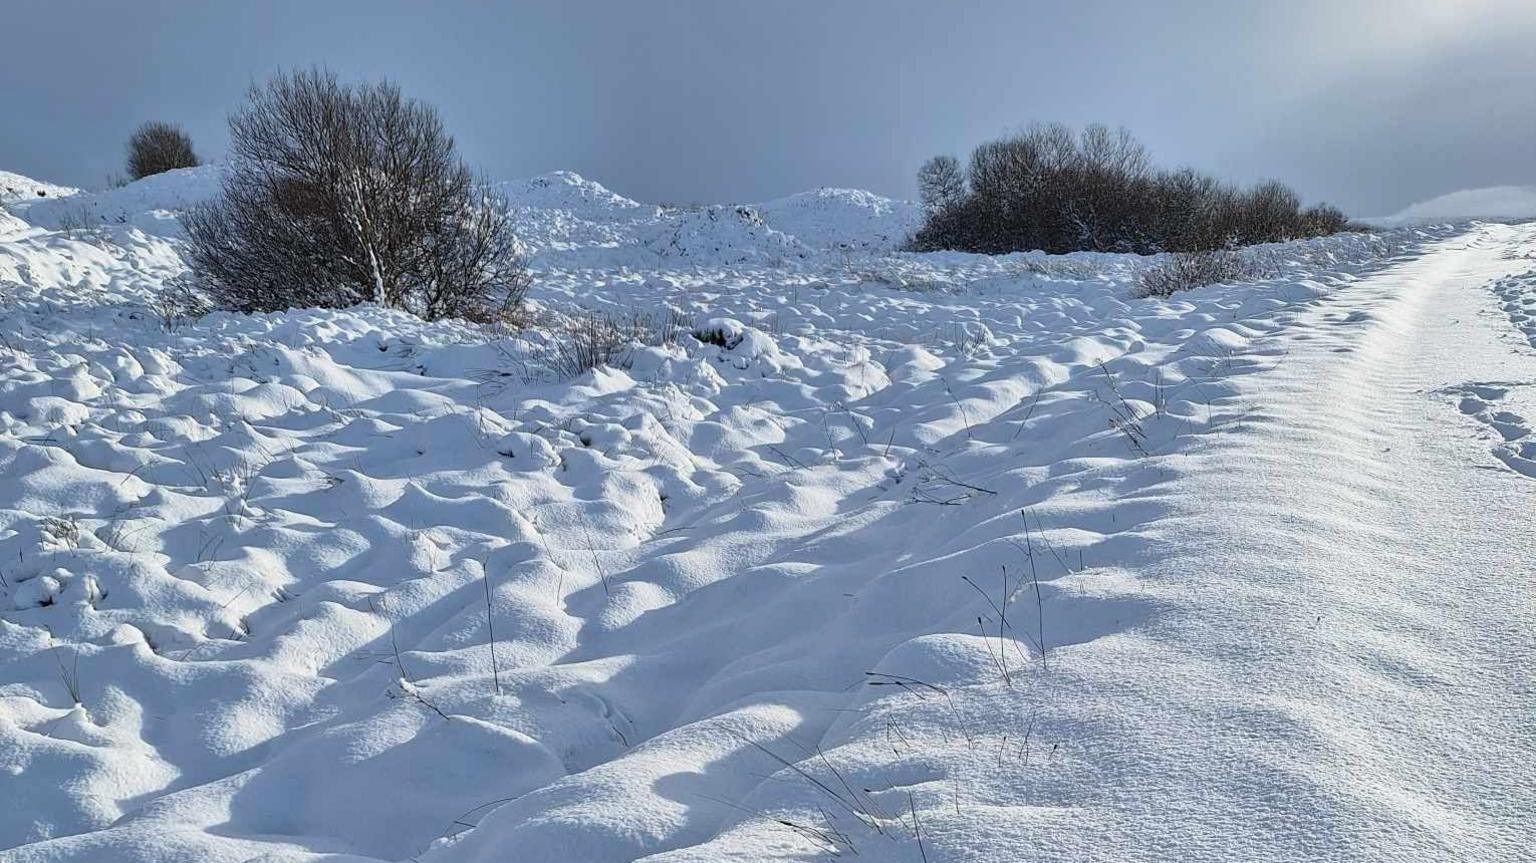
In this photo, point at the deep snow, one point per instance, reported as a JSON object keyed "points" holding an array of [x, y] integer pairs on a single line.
{"points": [[910, 557]]}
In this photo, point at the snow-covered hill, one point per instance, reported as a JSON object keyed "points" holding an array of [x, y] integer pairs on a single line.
{"points": [[150, 204], [851, 552], [1497, 203], [847, 219], [575, 223], [15, 188]]}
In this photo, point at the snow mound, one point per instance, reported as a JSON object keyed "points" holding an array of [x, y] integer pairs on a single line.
{"points": [[724, 236], [574, 222], [150, 204], [575, 194], [1495, 203], [844, 219], [15, 187], [10, 224]]}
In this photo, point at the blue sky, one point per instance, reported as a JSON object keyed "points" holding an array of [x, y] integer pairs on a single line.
{"points": [[1370, 104]]}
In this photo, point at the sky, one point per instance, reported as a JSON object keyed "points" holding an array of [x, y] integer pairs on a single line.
{"points": [[1368, 104]]}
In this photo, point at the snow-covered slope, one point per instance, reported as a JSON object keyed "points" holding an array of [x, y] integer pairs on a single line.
{"points": [[10, 224], [850, 219], [575, 223], [573, 194], [904, 557], [150, 204], [1496, 203], [15, 188]]}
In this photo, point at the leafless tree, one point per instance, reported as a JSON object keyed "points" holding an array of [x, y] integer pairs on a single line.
{"points": [[155, 148], [940, 183], [338, 194]]}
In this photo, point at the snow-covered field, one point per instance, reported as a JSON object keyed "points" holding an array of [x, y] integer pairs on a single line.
{"points": [[862, 554]]}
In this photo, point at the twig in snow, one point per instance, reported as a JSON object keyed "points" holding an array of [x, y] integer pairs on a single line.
{"points": [[70, 674], [964, 415], [407, 685], [1002, 666], [1001, 610], [1049, 546], [592, 550], [833, 838], [490, 627], [853, 418], [1124, 418], [1034, 576], [855, 810], [1029, 413], [917, 828], [787, 457], [908, 684]]}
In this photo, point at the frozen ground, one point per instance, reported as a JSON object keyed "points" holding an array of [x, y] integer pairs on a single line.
{"points": [[903, 557]]}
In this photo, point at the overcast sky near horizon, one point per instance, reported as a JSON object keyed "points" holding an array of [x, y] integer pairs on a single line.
{"points": [[1369, 104]]}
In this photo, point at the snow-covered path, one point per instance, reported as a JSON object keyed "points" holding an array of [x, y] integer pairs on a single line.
{"points": [[919, 558], [1345, 666]]}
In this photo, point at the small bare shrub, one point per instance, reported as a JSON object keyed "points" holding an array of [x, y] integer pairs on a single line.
{"points": [[596, 339], [590, 342], [76, 218], [155, 148], [339, 194], [179, 303], [1186, 270]]}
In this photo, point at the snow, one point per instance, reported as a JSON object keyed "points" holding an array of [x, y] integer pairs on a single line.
{"points": [[851, 219], [574, 194], [15, 188], [930, 557], [10, 224], [571, 223], [1496, 203], [149, 204]]}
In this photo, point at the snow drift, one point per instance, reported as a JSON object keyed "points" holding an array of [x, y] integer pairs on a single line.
{"points": [[15, 188], [150, 204]]}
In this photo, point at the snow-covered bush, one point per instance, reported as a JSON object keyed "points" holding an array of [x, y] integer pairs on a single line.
{"points": [[1186, 270], [339, 194]]}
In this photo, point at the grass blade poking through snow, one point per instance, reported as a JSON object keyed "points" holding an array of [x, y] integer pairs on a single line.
{"points": [[490, 626]]}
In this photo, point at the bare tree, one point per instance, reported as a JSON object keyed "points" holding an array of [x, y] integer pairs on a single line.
{"points": [[940, 183], [339, 194], [155, 148]]}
